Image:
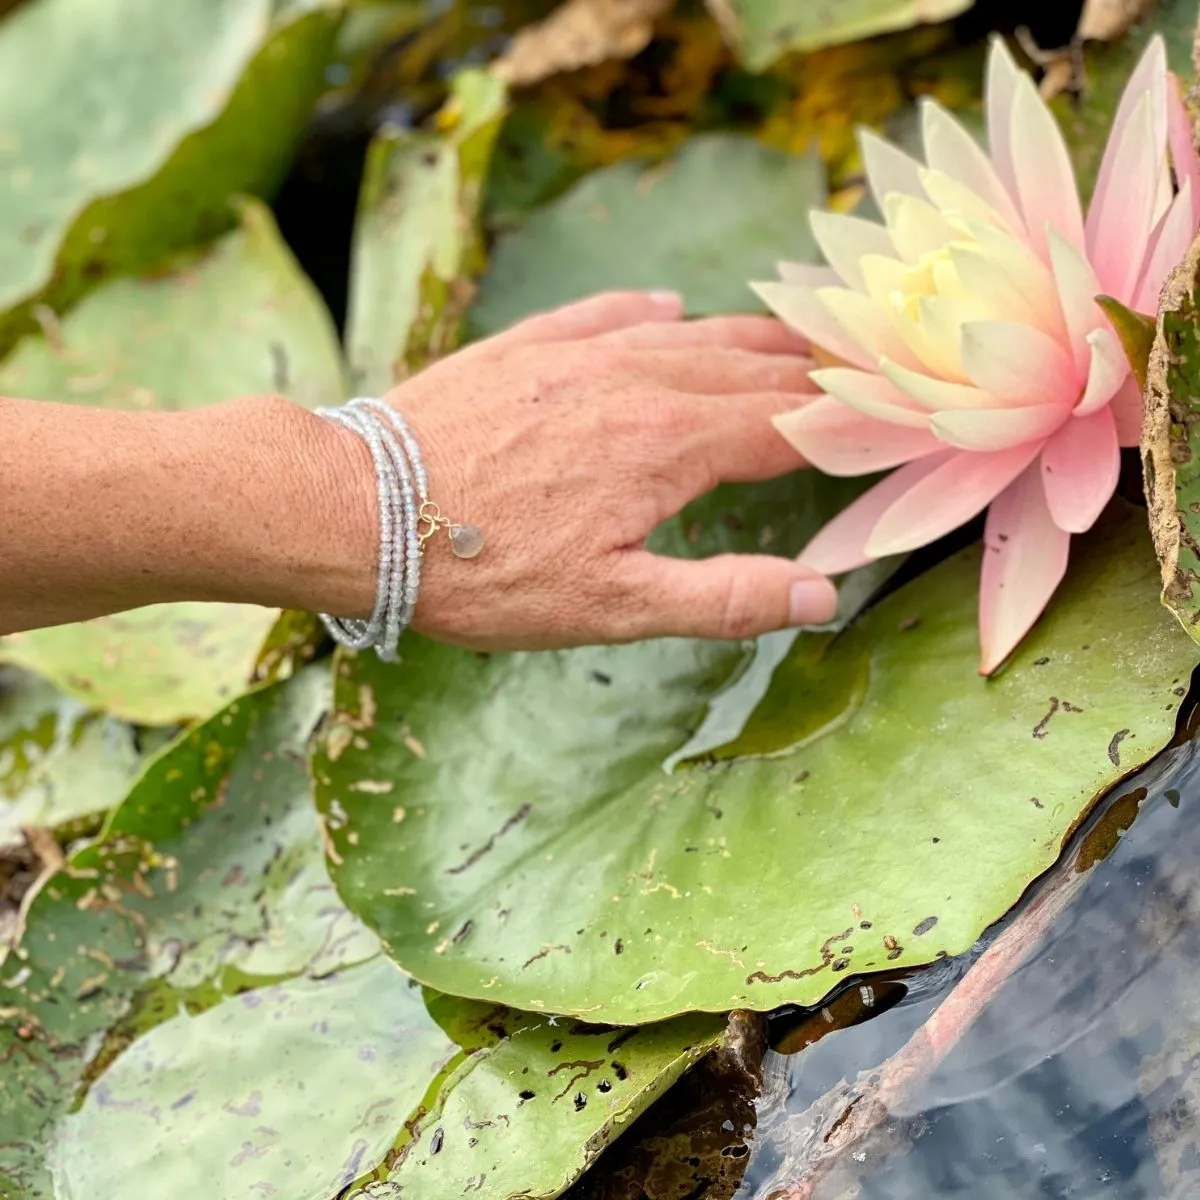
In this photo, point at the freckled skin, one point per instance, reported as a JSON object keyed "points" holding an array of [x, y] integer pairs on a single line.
{"points": [[566, 439]]}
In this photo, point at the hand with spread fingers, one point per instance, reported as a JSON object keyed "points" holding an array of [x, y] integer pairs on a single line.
{"points": [[547, 453]]}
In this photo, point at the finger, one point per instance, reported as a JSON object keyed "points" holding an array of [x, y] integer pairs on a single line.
{"points": [[730, 596], [596, 315], [735, 439], [765, 335], [718, 371]]}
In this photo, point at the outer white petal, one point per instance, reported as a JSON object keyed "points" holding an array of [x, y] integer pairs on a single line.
{"points": [[800, 308], [888, 169], [872, 394], [1003, 75], [950, 149]]}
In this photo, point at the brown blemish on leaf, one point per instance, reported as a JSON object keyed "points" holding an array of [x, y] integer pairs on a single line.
{"points": [[1114, 747], [510, 824], [827, 958], [1167, 425], [588, 1065]]}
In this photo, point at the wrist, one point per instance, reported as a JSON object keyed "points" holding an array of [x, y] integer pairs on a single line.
{"points": [[296, 506]]}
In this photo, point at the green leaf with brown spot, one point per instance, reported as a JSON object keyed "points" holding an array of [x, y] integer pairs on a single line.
{"points": [[1171, 441], [128, 124], [540, 820], [59, 762], [192, 992], [416, 241], [237, 318]]}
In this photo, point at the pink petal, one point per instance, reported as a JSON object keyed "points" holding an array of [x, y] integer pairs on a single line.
{"points": [[1167, 249], [1080, 465], [1184, 159], [806, 276], [997, 428], [1121, 218], [950, 149], [871, 394], [844, 240], [840, 441], [1018, 363], [1003, 75], [1045, 179], [1107, 371], [1127, 407], [888, 169], [800, 308], [1147, 83], [1077, 292], [838, 547], [1024, 560], [946, 498]]}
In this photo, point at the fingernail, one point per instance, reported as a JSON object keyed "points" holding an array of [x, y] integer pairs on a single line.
{"points": [[671, 300], [813, 601]]}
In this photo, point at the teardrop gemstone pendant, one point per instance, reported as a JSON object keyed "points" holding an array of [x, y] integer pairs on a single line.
{"points": [[466, 540]]}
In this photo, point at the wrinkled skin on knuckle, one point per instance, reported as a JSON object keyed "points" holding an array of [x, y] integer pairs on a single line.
{"points": [[739, 608]]}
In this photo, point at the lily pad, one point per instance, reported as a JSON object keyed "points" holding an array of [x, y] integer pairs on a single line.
{"points": [[236, 319], [128, 125], [1171, 441], [58, 761], [190, 990], [416, 242], [588, 880], [763, 30], [621, 227]]}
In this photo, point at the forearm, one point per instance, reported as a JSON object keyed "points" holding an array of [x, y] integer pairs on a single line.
{"points": [[253, 501]]}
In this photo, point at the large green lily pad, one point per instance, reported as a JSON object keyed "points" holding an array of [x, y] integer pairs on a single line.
{"points": [[128, 125], [416, 242], [721, 211], [191, 991], [897, 808], [58, 761], [763, 30], [238, 318]]}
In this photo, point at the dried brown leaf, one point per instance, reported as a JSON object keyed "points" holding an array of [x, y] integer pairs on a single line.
{"points": [[1108, 20], [579, 33]]}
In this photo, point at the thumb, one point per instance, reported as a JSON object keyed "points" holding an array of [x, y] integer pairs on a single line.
{"points": [[729, 596], [605, 313]]}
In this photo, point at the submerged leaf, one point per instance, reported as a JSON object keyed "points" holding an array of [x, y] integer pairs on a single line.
{"points": [[539, 815]]}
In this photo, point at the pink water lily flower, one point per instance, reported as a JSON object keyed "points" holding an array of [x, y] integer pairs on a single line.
{"points": [[974, 352]]}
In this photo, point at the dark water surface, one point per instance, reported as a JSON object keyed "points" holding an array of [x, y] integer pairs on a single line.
{"points": [[1078, 1077]]}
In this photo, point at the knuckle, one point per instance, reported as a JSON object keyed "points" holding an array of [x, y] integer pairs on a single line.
{"points": [[739, 608]]}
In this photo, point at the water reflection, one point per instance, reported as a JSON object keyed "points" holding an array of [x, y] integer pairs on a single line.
{"points": [[1076, 1079]]}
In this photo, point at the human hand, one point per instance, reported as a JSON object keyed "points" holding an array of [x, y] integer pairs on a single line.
{"points": [[567, 439]]}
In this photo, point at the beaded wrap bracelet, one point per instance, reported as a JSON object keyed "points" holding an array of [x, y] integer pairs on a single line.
{"points": [[407, 519]]}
